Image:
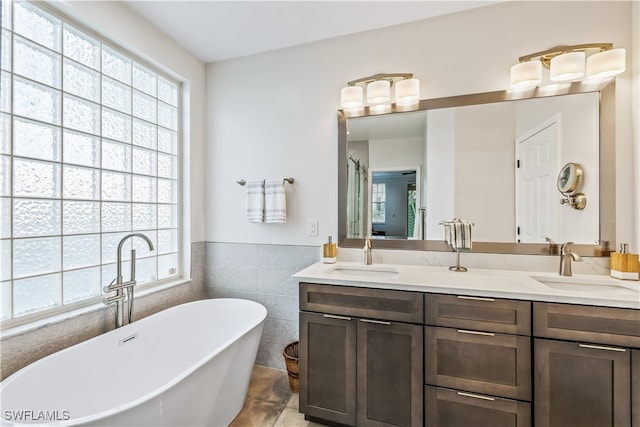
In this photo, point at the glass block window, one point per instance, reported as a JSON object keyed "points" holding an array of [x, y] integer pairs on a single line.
{"points": [[89, 153]]}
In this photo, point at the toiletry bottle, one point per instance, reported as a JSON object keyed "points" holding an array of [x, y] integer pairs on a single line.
{"points": [[329, 252], [625, 265]]}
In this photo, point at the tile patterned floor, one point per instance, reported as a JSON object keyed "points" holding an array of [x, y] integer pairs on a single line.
{"points": [[270, 402]]}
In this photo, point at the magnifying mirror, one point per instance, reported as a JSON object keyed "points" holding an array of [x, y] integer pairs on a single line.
{"points": [[569, 180]]}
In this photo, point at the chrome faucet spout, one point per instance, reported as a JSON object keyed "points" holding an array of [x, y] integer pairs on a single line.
{"points": [[368, 259], [124, 239], [565, 259], [119, 285]]}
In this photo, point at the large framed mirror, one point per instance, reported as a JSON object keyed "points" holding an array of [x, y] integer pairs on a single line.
{"points": [[490, 158]]}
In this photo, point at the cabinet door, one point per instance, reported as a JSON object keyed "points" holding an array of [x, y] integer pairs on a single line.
{"points": [[481, 362], [581, 385], [328, 367], [390, 374], [635, 388], [452, 408]]}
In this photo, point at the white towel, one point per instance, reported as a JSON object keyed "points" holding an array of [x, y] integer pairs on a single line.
{"points": [[275, 204], [255, 201], [448, 235]]}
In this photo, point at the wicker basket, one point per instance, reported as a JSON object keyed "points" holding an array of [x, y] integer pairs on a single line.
{"points": [[291, 357]]}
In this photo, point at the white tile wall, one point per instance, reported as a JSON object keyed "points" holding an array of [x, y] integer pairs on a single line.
{"points": [[261, 273]]}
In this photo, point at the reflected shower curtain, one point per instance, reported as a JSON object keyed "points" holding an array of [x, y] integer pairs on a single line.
{"points": [[355, 198]]}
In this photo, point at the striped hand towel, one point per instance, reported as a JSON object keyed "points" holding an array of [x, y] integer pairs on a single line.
{"points": [[462, 235], [255, 201], [457, 234], [275, 206]]}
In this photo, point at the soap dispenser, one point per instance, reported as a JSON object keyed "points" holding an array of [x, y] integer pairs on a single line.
{"points": [[329, 252], [625, 265]]}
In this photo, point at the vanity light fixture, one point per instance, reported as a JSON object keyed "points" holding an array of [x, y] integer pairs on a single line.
{"points": [[567, 63], [378, 90]]}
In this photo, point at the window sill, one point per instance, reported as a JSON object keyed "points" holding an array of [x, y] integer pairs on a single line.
{"points": [[54, 319]]}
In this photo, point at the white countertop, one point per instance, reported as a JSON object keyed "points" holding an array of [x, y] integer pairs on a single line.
{"points": [[583, 289]]}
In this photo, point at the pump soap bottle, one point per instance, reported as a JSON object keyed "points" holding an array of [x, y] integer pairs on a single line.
{"points": [[329, 252], [625, 265]]}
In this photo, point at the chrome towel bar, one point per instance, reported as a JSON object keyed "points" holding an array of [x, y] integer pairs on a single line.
{"points": [[289, 180]]}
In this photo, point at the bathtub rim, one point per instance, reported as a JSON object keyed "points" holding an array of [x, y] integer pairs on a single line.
{"points": [[153, 393]]}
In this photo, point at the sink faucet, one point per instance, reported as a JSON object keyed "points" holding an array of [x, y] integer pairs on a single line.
{"points": [[119, 285], [565, 259], [368, 259]]}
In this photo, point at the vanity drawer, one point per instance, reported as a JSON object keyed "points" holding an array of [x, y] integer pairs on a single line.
{"points": [[384, 304], [480, 362], [478, 313], [604, 325], [452, 408]]}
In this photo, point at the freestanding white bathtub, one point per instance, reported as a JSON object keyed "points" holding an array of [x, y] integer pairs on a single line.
{"points": [[184, 366]]}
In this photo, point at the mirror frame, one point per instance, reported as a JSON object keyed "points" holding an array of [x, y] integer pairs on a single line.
{"points": [[607, 151]]}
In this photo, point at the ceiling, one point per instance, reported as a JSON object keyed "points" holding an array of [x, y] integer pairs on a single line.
{"points": [[215, 30]]}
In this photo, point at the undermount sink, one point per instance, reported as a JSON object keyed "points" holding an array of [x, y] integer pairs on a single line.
{"points": [[370, 271], [589, 286]]}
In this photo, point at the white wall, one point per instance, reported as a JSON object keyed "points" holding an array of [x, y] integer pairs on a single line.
{"points": [[118, 23], [485, 170], [634, 67], [440, 173], [274, 114]]}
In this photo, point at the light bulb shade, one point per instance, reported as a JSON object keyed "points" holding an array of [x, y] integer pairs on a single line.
{"points": [[606, 64], [525, 74], [407, 91], [351, 97], [378, 92], [568, 66]]}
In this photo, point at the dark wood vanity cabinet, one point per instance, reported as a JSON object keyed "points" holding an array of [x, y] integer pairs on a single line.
{"points": [[477, 361], [581, 384], [635, 388], [584, 364], [378, 357], [327, 367], [454, 408], [389, 374], [361, 361]]}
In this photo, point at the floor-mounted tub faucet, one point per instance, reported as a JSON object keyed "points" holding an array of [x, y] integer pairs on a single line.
{"points": [[565, 259], [119, 285]]}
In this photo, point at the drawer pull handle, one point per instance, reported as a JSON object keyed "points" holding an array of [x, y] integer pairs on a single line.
{"points": [[377, 322], [333, 316], [486, 334], [477, 298], [599, 347], [475, 396]]}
